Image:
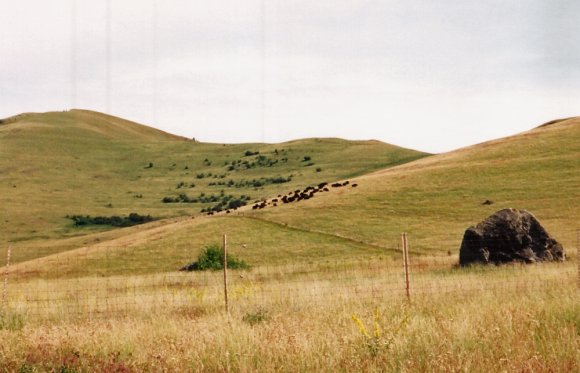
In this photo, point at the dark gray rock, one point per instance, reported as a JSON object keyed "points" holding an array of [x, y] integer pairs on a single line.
{"points": [[509, 235]]}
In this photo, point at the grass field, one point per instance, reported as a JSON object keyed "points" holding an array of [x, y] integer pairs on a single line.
{"points": [[300, 318], [104, 299], [86, 163], [433, 199]]}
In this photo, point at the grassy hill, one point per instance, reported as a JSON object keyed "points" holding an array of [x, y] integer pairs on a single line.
{"points": [[433, 199], [86, 163], [325, 291]]}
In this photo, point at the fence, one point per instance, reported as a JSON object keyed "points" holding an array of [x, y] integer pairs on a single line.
{"points": [[102, 281]]}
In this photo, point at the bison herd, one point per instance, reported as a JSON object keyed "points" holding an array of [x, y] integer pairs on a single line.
{"points": [[295, 196], [299, 195]]}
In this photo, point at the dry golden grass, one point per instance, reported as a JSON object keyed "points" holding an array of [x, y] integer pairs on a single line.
{"points": [[300, 318]]}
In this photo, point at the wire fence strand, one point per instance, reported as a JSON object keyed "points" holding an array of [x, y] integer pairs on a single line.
{"points": [[71, 287]]}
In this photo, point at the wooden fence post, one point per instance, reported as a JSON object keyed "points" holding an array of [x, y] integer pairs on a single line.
{"points": [[5, 289], [226, 273], [405, 245]]}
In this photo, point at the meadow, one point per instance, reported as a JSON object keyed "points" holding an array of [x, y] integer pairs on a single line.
{"points": [[319, 316], [60, 164], [325, 291]]}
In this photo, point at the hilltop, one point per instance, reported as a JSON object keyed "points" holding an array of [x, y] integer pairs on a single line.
{"points": [[81, 162]]}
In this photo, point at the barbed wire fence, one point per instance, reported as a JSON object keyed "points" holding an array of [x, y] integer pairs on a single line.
{"points": [[104, 281]]}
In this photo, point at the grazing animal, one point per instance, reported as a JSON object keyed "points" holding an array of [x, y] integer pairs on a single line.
{"points": [[345, 183], [354, 185]]}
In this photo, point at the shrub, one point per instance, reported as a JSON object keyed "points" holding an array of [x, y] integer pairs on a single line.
{"points": [[318, 169], [306, 158], [212, 258], [115, 221]]}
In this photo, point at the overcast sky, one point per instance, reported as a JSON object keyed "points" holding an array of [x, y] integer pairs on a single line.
{"points": [[432, 75]]}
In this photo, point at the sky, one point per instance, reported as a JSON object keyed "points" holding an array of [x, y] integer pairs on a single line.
{"points": [[432, 75]]}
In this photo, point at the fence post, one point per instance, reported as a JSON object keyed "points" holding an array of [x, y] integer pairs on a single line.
{"points": [[405, 245], [226, 272], [5, 289]]}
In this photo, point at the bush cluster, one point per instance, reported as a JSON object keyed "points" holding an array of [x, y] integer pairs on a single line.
{"points": [[212, 257], [256, 183], [202, 175], [259, 161], [224, 201], [115, 221], [183, 184], [228, 202]]}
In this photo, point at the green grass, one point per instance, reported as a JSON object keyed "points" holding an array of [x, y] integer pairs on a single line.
{"points": [[435, 199], [86, 163], [114, 300], [254, 241]]}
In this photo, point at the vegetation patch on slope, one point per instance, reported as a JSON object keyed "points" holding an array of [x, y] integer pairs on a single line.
{"points": [[114, 221]]}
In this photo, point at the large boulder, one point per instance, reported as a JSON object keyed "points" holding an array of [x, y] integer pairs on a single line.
{"points": [[509, 235]]}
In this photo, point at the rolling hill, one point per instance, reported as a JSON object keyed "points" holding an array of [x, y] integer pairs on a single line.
{"points": [[433, 199], [79, 162], [436, 198]]}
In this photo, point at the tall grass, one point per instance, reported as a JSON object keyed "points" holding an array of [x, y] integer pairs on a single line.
{"points": [[512, 318]]}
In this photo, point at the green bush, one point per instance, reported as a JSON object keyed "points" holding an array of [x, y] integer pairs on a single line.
{"points": [[212, 257], [115, 221]]}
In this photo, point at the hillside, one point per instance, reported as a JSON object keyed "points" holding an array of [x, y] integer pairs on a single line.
{"points": [[433, 199], [436, 198], [86, 163]]}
